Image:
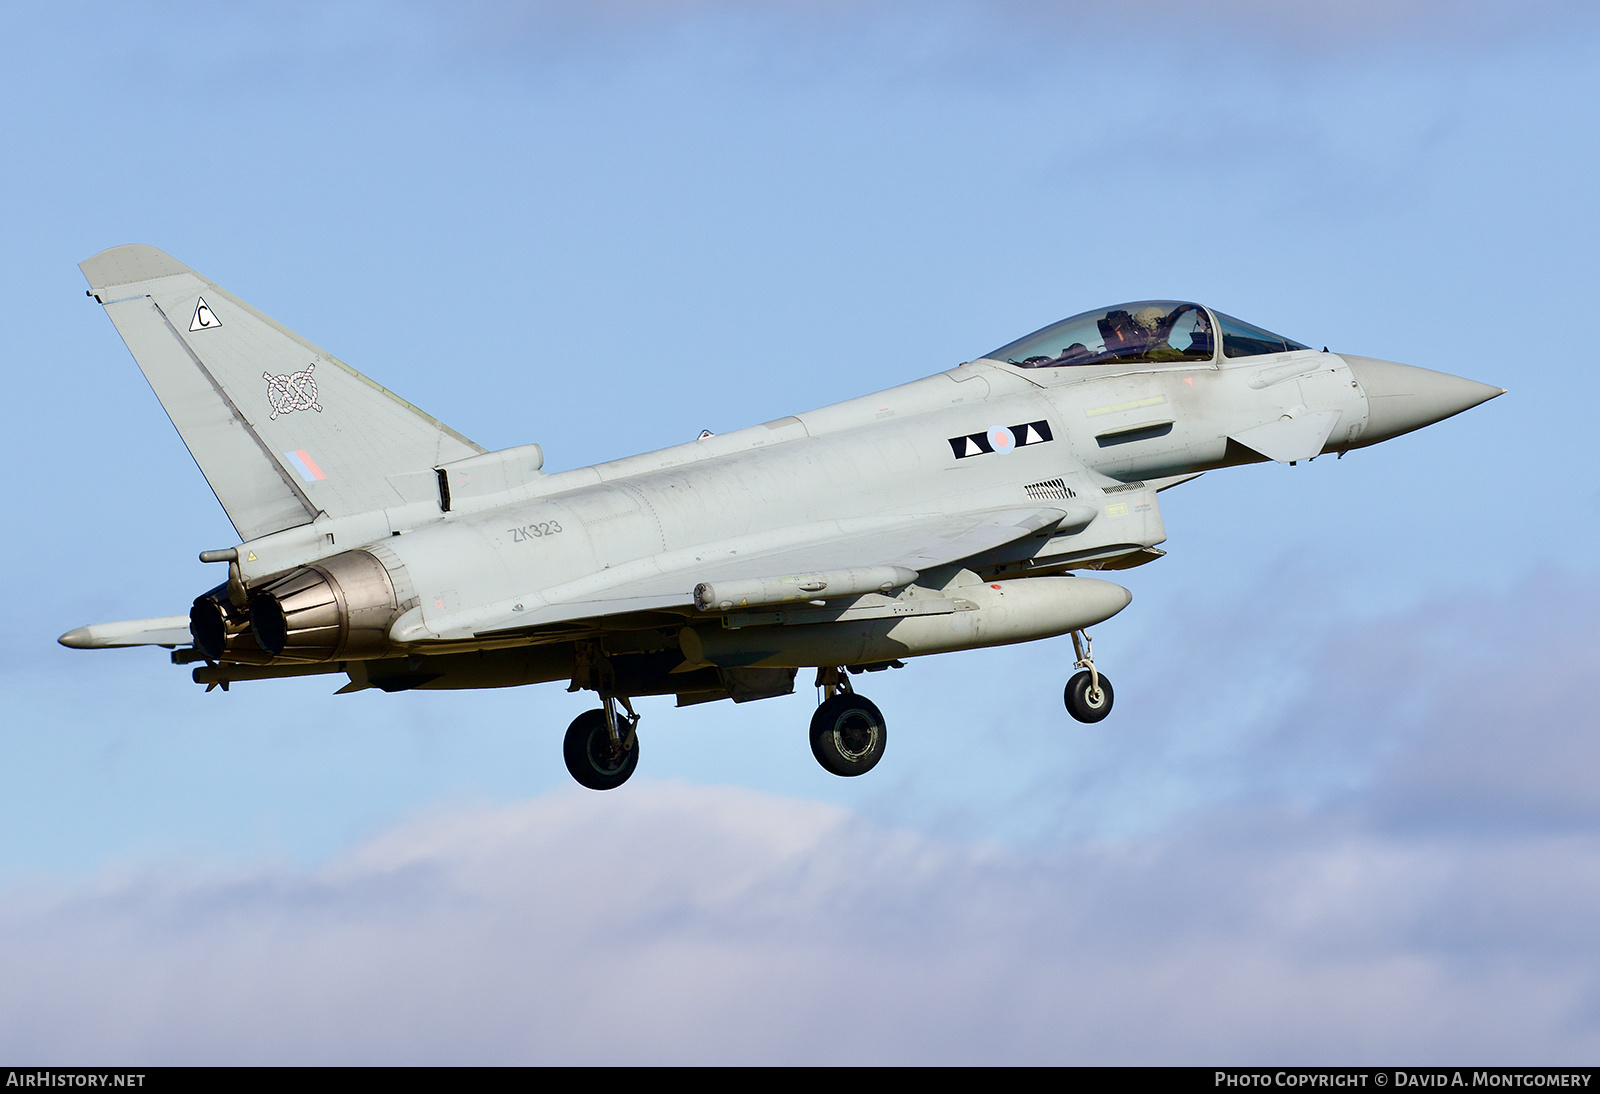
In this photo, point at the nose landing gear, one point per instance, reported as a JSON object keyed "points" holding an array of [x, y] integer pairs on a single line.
{"points": [[1088, 694], [602, 747], [847, 731]]}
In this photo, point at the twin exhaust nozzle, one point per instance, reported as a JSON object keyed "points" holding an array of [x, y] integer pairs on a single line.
{"points": [[337, 608]]}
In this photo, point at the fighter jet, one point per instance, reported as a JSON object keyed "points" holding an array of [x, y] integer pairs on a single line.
{"points": [[954, 512]]}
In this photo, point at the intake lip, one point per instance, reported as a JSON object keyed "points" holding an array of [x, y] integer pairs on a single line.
{"points": [[1401, 398]]}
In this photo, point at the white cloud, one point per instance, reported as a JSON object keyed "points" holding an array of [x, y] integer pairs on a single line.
{"points": [[1070, 31], [798, 42], [1436, 905], [672, 923]]}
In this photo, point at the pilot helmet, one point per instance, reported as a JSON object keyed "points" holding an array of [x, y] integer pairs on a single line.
{"points": [[1149, 319]]}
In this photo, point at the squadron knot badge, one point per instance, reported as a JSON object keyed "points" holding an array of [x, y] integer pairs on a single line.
{"points": [[291, 392]]}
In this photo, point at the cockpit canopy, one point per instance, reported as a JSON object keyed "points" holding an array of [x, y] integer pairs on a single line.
{"points": [[1154, 331]]}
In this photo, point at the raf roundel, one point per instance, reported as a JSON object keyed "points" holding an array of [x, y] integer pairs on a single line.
{"points": [[1000, 438]]}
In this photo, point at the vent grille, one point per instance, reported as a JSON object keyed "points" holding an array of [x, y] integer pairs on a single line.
{"points": [[1054, 489]]}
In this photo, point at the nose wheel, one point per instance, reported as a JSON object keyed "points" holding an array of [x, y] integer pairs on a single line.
{"points": [[1088, 694]]}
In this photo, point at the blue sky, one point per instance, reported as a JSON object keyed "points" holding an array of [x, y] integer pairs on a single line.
{"points": [[1344, 811]]}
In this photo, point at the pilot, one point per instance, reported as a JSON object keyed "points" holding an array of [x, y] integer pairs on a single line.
{"points": [[1154, 325]]}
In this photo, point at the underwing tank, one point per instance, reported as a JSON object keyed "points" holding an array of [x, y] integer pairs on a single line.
{"points": [[996, 613]]}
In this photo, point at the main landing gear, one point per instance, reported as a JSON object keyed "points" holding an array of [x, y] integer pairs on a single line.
{"points": [[847, 731], [602, 746], [1088, 694]]}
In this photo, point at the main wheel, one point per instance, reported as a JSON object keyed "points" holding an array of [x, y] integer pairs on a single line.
{"points": [[590, 756], [848, 735], [1081, 701]]}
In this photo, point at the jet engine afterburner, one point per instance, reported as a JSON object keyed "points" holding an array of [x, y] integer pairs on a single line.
{"points": [[221, 630], [340, 607]]}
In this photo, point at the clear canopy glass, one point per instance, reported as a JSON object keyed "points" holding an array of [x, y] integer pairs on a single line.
{"points": [[1155, 331], [1240, 339], [1147, 330]]}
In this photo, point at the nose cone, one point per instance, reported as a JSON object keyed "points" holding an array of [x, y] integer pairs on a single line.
{"points": [[1401, 398]]}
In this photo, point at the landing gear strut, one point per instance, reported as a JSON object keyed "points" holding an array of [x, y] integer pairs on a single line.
{"points": [[602, 747], [1088, 694], [847, 731]]}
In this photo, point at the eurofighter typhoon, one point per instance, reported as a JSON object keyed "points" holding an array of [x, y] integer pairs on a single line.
{"points": [[951, 513]]}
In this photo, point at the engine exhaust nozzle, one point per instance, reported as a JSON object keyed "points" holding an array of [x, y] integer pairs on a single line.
{"points": [[340, 607]]}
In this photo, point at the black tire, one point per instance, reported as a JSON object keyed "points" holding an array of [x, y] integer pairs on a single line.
{"points": [[848, 735], [1079, 702], [587, 750]]}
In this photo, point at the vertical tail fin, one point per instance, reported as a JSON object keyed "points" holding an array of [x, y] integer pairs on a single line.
{"points": [[281, 429]]}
